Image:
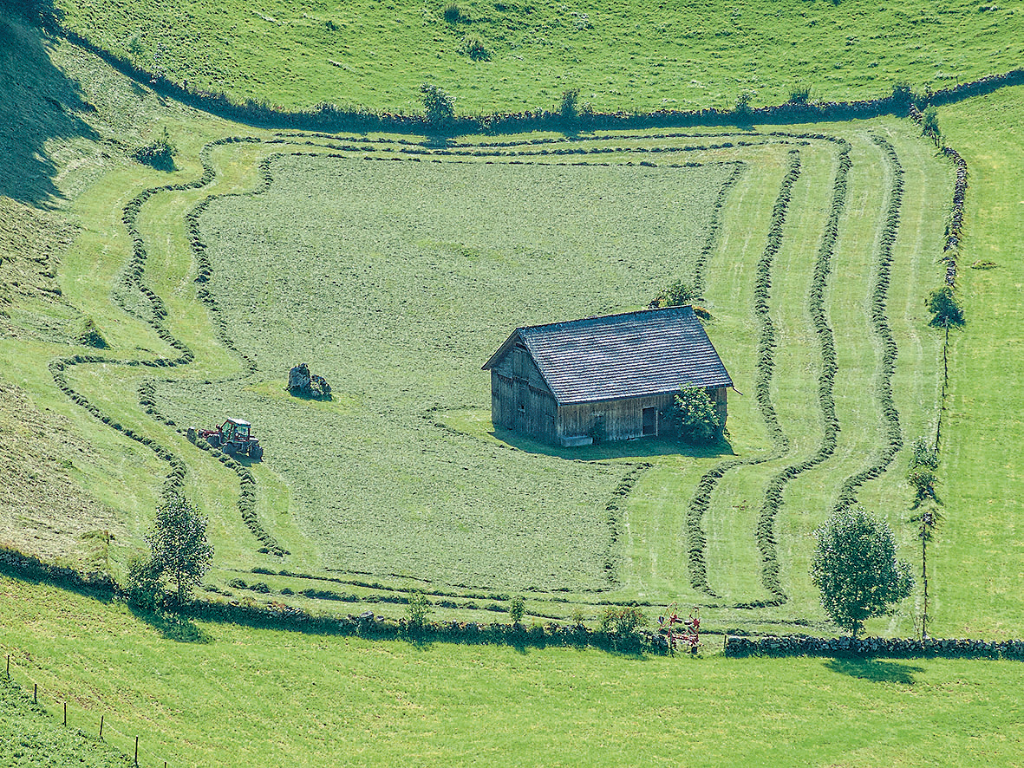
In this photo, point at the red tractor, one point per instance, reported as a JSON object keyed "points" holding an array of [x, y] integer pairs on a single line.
{"points": [[234, 437]]}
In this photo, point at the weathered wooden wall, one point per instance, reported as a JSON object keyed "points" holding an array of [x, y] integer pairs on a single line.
{"points": [[623, 419], [520, 400]]}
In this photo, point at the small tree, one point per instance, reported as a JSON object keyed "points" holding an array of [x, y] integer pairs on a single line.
{"points": [[930, 124], [179, 547], [856, 569], [517, 608], [420, 609], [439, 107], [927, 522], [942, 303], [692, 417]]}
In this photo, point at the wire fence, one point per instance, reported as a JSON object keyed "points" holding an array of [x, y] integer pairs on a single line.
{"points": [[91, 723]]}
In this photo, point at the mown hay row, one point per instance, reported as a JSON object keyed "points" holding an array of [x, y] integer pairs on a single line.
{"points": [[880, 326]]}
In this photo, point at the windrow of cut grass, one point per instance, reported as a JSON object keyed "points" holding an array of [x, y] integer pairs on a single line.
{"points": [[645, 547], [250, 386]]}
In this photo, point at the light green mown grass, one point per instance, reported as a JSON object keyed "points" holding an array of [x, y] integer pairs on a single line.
{"points": [[241, 697], [398, 316], [686, 55], [979, 553]]}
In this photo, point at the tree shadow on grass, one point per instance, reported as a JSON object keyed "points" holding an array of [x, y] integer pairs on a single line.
{"points": [[876, 670], [39, 103], [173, 626]]}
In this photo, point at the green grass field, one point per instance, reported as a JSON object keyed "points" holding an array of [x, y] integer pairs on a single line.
{"points": [[686, 56], [438, 268], [280, 698]]}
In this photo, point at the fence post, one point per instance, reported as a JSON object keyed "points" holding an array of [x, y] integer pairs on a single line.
{"points": [[101, 727], [35, 693], [8, 666], [136, 750], [65, 714]]}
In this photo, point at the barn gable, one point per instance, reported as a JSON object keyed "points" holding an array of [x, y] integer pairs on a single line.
{"points": [[614, 371]]}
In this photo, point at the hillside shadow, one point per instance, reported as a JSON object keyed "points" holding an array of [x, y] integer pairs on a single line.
{"points": [[875, 670], [623, 449], [38, 103]]}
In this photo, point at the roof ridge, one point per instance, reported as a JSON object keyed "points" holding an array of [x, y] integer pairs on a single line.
{"points": [[594, 318]]}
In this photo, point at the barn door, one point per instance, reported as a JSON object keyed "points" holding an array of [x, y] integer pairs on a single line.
{"points": [[650, 426]]}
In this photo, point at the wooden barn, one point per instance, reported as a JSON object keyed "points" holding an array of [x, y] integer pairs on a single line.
{"points": [[613, 375]]}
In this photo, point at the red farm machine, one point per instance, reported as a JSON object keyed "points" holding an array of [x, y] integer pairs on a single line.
{"points": [[233, 437]]}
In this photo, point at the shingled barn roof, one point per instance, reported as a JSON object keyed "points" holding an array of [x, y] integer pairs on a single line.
{"points": [[635, 354]]}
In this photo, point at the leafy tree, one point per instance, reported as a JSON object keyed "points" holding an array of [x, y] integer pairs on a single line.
{"points": [[856, 569], [624, 620], [179, 547], [943, 304], [692, 417], [420, 608], [517, 608], [930, 124], [438, 105], [678, 294]]}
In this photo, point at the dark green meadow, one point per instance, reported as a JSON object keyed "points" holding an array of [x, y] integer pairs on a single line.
{"points": [[394, 266]]}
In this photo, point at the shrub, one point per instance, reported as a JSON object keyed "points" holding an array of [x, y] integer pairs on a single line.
{"points": [[930, 124], [676, 294], [800, 94], [516, 609], [420, 609], [160, 154], [923, 481], [692, 417], [742, 108], [902, 95], [623, 620], [923, 455], [473, 46], [90, 336], [438, 105], [945, 308], [453, 14], [569, 107], [144, 587]]}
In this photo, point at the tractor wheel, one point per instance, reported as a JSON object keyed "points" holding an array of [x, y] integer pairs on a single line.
{"points": [[256, 452], [230, 449], [213, 440]]}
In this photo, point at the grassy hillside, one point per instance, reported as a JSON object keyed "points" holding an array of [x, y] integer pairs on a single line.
{"points": [[80, 491], [31, 736], [278, 698], [501, 56]]}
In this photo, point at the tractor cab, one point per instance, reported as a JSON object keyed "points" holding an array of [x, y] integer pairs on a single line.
{"points": [[235, 430]]}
